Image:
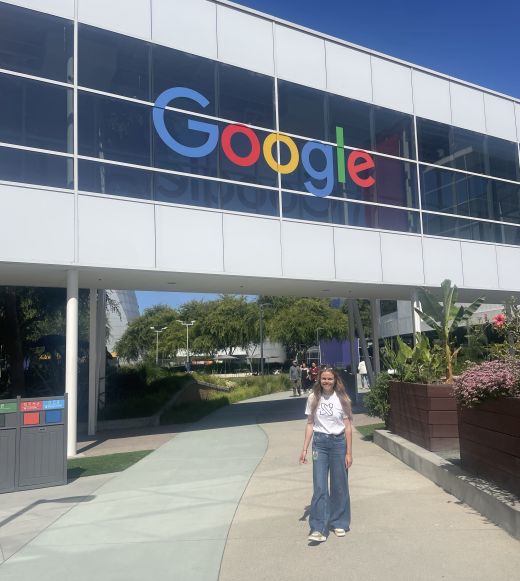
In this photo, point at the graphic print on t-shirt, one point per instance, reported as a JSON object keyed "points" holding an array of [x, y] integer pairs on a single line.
{"points": [[326, 409]]}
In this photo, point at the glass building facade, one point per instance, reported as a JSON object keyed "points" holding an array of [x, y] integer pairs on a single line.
{"points": [[423, 177]]}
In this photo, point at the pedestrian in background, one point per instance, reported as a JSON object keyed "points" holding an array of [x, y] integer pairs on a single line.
{"points": [[306, 381], [362, 370], [329, 425], [295, 375], [313, 373]]}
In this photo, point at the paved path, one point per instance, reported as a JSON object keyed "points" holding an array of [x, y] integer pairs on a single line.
{"points": [[228, 501]]}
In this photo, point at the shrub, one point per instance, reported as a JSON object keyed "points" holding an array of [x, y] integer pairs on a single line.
{"points": [[377, 400], [488, 380]]}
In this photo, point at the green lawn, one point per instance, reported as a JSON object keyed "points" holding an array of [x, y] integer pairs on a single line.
{"points": [[368, 431], [89, 466]]}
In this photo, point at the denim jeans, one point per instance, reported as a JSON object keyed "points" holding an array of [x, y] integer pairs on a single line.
{"points": [[329, 510]]}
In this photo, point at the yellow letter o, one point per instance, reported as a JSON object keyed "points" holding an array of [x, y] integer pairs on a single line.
{"points": [[291, 165]]}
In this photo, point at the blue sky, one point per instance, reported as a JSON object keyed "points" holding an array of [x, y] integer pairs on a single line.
{"points": [[468, 39]]}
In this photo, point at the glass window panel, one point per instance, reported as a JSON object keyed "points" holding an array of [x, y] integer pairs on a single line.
{"points": [[509, 234], [177, 189], [35, 43], [35, 114], [239, 198], [506, 199], [301, 110], [29, 167], [258, 173], [245, 96], [434, 142], [113, 62], [503, 158], [114, 129], [166, 158], [116, 180], [313, 209], [457, 193], [173, 68], [354, 118], [393, 133], [398, 220], [437, 225], [467, 150]]}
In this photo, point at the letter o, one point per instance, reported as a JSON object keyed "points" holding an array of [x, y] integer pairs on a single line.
{"points": [[292, 164], [225, 140]]}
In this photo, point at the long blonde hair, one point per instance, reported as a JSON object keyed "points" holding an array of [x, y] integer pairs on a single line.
{"points": [[339, 388]]}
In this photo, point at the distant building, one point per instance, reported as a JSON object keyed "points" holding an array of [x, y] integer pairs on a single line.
{"points": [[118, 322]]}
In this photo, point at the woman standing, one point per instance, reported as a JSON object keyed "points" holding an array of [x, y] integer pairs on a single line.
{"points": [[329, 416]]}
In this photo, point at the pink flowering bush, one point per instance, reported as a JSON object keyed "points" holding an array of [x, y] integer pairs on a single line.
{"points": [[488, 380]]}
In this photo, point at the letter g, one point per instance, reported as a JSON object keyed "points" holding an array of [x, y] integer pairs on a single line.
{"points": [[167, 97]]}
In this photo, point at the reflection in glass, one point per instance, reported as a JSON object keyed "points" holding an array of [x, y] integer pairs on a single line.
{"points": [[116, 180], [469, 195], [113, 63], [438, 225], [311, 208], [442, 144], [35, 114], [173, 68], [237, 198], [245, 96], [28, 167], [301, 110], [113, 129], [393, 133], [177, 189], [35, 43]]}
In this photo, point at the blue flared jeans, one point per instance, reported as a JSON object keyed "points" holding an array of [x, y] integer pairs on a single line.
{"points": [[329, 509]]}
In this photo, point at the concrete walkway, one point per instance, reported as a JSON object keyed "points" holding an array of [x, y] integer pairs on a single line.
{"points": [[227, 500]]}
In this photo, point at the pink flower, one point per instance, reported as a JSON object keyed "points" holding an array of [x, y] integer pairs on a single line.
{"points": [[499, 320]]}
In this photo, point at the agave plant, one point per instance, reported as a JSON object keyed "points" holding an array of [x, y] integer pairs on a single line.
{"points": [[444, 317]]}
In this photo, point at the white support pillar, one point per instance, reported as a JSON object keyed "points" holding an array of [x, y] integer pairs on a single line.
{"points": [[71, 360], [375, 306], [101, 348], [92, 364], [416, 320]]}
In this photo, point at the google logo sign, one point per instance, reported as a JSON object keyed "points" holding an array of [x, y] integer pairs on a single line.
{"points": [[358, 164]]}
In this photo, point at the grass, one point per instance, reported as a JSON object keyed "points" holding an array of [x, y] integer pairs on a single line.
{"points": [[241, 388], [90, 466], [368, 431]]}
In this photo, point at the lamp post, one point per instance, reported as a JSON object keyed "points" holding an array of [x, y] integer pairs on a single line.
{"points": [[157, 330], [318, 344], [187, 325]]}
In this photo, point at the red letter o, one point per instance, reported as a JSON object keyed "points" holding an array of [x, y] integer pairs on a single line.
{"points": [[228, 133]]}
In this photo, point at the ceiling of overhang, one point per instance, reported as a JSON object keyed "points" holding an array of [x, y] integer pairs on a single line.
{"points": [[51, 275]]}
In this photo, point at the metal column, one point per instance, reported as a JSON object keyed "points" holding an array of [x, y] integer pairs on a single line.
{"points": [[71, 360]]}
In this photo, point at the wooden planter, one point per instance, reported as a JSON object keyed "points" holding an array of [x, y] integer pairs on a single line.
{"points": [[490, 441], [425, 414]]}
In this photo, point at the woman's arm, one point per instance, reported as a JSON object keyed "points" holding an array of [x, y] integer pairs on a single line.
{"points": [[307, 440], [348, 438]]}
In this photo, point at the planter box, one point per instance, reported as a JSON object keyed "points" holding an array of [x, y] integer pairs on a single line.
{"points": [[425, 414], [490, 441]]}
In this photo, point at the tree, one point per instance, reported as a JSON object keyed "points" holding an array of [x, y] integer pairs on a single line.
{"points": [[139, 340], [293, 322], [444, 317]]}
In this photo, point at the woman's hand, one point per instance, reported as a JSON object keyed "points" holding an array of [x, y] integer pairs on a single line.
{"points": [[303, 457], [348, 460]]}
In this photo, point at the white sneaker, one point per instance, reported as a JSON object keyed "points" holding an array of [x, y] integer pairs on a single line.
{"points": [[317, 537], [339, 532]]}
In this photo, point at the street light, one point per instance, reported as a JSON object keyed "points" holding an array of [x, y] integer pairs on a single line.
{"points": [[187, 325], [157, 330], [318, 344]]}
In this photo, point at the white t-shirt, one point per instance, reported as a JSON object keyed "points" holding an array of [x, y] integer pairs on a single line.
{"points": [[329, 417]]}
